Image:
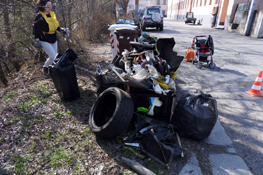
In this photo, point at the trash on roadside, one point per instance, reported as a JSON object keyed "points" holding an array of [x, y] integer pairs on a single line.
{"points": [[137, 89], [189, 55], [161, 145], [133, 144], [195, 115], [147, 39], [62, 72], [123, 21], [142, 70]]}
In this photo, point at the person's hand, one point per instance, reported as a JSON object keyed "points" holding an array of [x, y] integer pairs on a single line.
{"points": [[39, 45]]}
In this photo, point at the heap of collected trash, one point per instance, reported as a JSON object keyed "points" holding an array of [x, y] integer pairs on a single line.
{"points": [[136, 96], [143, 67]]}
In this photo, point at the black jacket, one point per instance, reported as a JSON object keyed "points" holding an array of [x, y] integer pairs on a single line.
{"points": [[40, 26]]}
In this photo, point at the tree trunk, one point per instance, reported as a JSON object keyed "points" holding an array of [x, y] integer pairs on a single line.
{"points": [[2, 76], [6, 20], [8, 35], [7, 29]]}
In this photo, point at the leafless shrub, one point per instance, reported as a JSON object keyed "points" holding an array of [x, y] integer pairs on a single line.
{"points": [[87, 21]]}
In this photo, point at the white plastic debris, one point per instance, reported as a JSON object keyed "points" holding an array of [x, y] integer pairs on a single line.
{"points": [[157, 103], [152, 70]]}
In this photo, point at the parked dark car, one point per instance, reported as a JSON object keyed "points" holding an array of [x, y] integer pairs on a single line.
{"points": [[151, 17], [189, 18]]}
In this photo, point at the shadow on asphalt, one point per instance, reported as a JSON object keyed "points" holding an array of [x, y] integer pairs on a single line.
{"points": [[248, 147], [234, 72]]}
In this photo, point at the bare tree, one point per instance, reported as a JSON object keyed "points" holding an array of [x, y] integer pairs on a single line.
{"points": [[123, 4], [87, 21]]}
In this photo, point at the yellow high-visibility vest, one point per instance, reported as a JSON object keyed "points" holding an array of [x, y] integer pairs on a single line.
{"points": [[52, 22]]}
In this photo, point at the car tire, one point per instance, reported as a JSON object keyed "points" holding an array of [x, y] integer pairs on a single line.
{"points": [[156, 17], [111, 113], [161, 28]]}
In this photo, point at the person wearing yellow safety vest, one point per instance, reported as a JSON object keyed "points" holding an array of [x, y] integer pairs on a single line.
{"points": [[45, 26]]}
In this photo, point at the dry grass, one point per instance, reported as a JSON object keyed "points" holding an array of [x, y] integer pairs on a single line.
{"points": [[40, 134]]}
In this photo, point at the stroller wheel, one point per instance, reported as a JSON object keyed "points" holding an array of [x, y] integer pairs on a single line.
{"points": [[212, 65], [193, 61], [199, 65]]}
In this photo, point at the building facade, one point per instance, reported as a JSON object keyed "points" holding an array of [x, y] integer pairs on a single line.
{"points": [[243, 16]]}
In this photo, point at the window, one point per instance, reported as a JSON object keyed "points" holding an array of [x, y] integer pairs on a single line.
{"points": [[190, 15], [158, 2], [196, 3], [205, 3], [210, 2], [164, 2], [152, 10], [200, 3]]}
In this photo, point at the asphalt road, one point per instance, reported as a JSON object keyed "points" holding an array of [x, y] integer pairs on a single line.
{"points": [[239, 59]]}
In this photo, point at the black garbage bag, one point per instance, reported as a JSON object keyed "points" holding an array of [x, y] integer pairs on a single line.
{"points": [[165, 46], [195, 115], [161, 145], [62, 72]]}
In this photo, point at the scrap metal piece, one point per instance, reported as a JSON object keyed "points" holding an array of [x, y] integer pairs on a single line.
{"points": [[133, 144], [113, 74], [145, 129], [137, 167], [179, 142]]}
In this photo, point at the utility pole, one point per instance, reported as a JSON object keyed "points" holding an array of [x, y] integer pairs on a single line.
{"points": [[178, 9], [191, 6], [136, 12]]}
